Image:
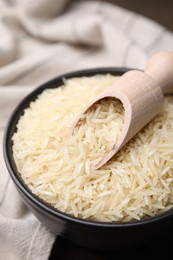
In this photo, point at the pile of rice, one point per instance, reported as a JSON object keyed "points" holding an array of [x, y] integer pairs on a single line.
{"points": [[135, 184], [98, 130]]}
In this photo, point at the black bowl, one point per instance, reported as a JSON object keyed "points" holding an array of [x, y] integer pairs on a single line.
{"points": [[89, 234]]}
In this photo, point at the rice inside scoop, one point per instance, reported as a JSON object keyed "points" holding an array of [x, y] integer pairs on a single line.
{"points": [[135, 184], [99, 129]]}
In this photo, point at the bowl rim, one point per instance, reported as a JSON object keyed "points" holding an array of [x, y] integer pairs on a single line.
{"points": [[17, 179]]}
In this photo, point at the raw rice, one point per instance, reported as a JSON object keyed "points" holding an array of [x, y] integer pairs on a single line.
{"points": [[137, 183]]}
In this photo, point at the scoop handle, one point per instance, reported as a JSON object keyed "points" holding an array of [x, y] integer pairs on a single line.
{"points": [[160, 67]]}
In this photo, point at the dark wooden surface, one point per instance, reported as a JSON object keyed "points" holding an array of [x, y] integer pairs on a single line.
{"points": [[160, 249], [159, 10]]}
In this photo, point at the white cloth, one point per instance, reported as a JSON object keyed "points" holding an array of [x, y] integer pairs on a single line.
{"points": [[40, 40]]}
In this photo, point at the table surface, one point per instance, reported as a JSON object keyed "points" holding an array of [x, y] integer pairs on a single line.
{"points": [[160, 248], [162, 12]]}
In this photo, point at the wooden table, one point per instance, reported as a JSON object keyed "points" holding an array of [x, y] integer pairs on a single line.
{"points": [[159, 10]]}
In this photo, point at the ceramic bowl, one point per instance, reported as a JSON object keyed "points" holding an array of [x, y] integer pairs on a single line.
{"points": [[96, 235]]}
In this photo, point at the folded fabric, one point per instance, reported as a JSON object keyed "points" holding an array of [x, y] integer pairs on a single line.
{"points": [[39, 41]]}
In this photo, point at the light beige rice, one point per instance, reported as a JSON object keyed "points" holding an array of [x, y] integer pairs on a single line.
{"points": [[135, 184]]}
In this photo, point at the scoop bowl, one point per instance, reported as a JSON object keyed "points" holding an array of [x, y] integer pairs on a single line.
{"points": [[142, 95]]}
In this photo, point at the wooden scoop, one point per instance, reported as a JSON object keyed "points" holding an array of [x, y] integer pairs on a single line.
{"points": [[142, 95]]}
